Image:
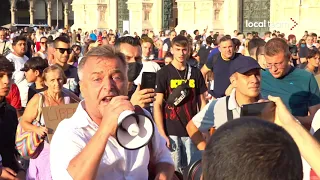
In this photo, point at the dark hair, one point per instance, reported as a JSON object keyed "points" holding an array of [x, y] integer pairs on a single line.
{"points": [[274, 34], [236, 42], [312, 53], [254, 46], [127, 40], [249, 33], [146, 39], [61, 39], [268, 32], [225, 38], [168, 55], [6, 65], [180, 41], [43, 37], [15, 40], [36, 63], [314, 35], [277, 45], [209, 40], [182, 32], [195, 31], [251, 148]]}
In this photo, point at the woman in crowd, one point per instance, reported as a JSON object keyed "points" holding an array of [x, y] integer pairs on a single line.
{"points": [[292, 42], [313, 58], [55, 95]]}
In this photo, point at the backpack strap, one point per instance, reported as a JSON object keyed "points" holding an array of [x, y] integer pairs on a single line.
{"points": [[229, 112]]}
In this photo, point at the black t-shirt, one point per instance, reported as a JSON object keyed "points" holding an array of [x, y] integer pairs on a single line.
{"points": [[32, 91], [220, 69], [203, 54], [72, 80], [176, 119], [8, 127]]}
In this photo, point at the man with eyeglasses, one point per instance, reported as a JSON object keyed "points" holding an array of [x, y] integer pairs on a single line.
{"points": [[43, 49], [61, 56], [297, 88]]}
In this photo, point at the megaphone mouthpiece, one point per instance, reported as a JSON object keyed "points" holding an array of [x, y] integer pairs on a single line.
{"points": [[130, 124]]}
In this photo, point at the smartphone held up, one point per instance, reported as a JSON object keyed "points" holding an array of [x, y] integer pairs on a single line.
{"points": [[263, 110]]}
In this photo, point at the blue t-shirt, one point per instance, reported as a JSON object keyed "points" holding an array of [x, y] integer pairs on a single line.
{"points": [[93, 37], [220, 69], [213, 52], [298, 90]]}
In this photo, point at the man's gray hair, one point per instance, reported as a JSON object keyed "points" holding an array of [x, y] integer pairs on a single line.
{"points": [[106, 51]]}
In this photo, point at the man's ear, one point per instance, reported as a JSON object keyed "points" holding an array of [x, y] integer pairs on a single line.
{"points": [[37, 72], [82, 88], [233, 80]]}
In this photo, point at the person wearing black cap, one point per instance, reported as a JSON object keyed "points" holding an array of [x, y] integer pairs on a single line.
{"points": [[245, 78], [33, 69]]}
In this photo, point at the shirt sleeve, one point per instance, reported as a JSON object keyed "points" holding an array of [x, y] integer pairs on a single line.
{"points": [[204, 120], [64, 146], [161, 81], [209, 62], [15, 100], [18, 76], [314, 97], [165, 47], [201, 84]]}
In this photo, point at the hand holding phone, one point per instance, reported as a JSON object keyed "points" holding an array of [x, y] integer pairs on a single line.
{"points": [[263, 110], [148, 80]]}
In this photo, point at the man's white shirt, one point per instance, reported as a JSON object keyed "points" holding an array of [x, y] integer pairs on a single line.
{"points": [[148, 66], [17, 76], [117, 163]]}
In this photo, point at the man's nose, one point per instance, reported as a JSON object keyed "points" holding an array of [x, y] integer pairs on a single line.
{"points": [[5, 79], [108, 84]]}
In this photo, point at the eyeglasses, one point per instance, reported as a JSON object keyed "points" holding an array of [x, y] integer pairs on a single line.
{"points": [[62, 50], [276, 65]]}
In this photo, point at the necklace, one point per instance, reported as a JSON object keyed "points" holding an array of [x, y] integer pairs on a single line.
{"points": [[50, 97], [185, 74]]}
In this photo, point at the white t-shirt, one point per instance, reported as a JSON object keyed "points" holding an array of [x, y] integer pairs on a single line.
{"points": [[23, 90], [18, 75], [148, 66]]}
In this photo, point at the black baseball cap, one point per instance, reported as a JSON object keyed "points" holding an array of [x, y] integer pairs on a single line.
{"points": [[243, 64], [35, 63]]}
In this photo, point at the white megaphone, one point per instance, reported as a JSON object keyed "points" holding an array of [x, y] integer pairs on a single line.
{"points": [[134, 130]]}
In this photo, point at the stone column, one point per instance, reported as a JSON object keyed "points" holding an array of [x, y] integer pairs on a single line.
{"points": [[49, 11], [135, 16], [31, 11], [13, 14], [66, 14]]}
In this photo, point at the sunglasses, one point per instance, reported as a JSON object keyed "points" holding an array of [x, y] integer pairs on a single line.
{"points": [[43, 42], [62, 50]]}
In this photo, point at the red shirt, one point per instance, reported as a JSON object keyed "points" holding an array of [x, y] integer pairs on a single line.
{"points": [[13, 98]]}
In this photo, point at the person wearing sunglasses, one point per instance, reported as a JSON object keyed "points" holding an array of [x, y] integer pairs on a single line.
{"points": [[43, 48], [61, 56]]}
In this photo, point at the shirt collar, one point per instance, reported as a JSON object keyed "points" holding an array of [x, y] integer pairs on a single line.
{"points": [[82, 118], [232, 104]]}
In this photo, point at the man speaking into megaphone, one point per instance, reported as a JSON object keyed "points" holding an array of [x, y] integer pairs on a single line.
{"points": [[107, 138]]}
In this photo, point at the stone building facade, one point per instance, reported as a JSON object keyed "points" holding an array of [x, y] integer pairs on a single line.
{"points": [[223, 16]]}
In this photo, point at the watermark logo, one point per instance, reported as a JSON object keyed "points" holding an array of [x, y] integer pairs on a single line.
{"points": [[295, 23], [272, 25]]}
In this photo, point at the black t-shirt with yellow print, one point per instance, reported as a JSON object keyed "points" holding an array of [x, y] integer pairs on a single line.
{"points": [[167, 80]]}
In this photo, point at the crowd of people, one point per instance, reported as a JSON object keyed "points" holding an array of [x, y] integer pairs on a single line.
{"points": [[202, 81]]}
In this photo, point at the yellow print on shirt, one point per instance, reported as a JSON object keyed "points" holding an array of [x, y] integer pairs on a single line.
{"points": [[174, 83]]}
